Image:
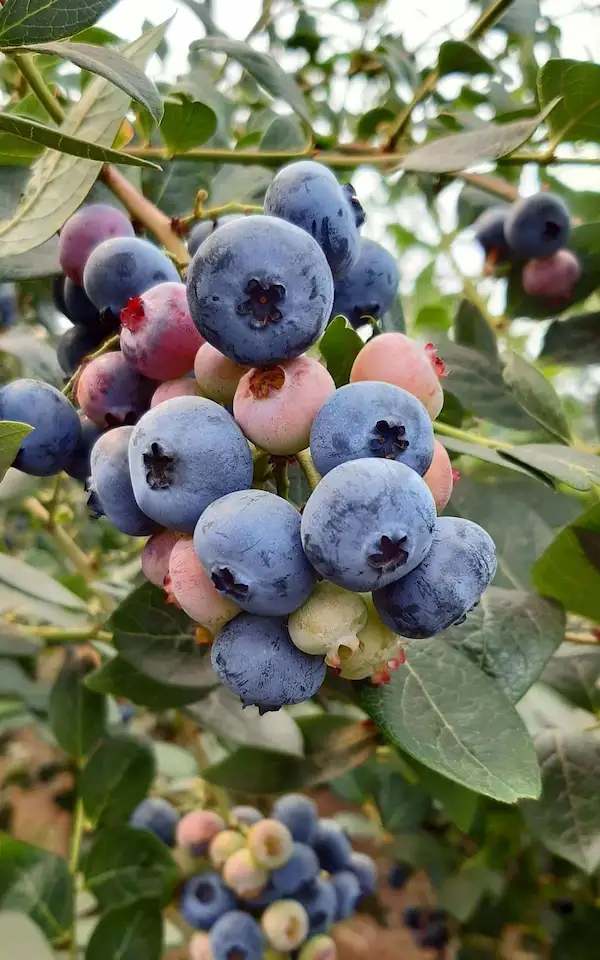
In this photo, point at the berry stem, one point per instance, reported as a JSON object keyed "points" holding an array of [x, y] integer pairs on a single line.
{"points": [[308, 468], [212, 213], [57, 636], [282, 481], [26, 64], [447, 431]]}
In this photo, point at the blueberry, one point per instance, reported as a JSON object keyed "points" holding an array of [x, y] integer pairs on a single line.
{"points": [[300, 815], [200, 231], [78, 465], [9, 305], [537, 226], [204, 900], [158, 816], [399, 876], [256, 659], [307, 194], [84, 231], [127, 711], [123, 268], [365, 870], [332, 846], [110, 488], [415, 917], [246, 815], [370, 287], [372, 419], [435, 936], [445, 586], [73, 346], [368, 523], [237, 936], [301, 868], [552, 278], [111, 393], [563, 905], [320, 902], [489, 232], [249, 543], [347, 892], [184, 454], [260, 290], [56, 425], [82, 311]]}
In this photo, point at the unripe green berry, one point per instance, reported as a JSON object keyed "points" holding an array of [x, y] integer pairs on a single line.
{"points": [[270, 843], [244, 875], [328, 623], [319, 948], [285, 924], [377, 646], [223, 846]]}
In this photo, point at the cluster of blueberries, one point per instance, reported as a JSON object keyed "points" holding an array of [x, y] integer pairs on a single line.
{"points": [[173, 455], [428, 924], [532, 233], [277, 884]]}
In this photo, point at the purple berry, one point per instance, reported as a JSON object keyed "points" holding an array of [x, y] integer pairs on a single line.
{"points": [[553, 278], [158, 336], [57, 430], [111, 393], [399, 876], [84, 231]]}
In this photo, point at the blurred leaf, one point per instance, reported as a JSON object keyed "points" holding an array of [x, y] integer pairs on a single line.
{"points": [[285, 133], [574, 671], [577, 468], [37, 357], [36, 883], [401, 805], [14, 681], [471, 329], [370, 123], [42, 261], [254, 771], [472, 202], [424, 851], [14, 644], [120, 678], [536, 395], [433, 316], [577, 115], [128, 933], [263, 68], [320, 728], [462, 726], [11, 436], [222, 713], [173, 762], [459, 803], [77, 715], [126, 865], [569, 570], [393, 320], [116, 777], [339, 347], [240, 184], [574, 341], [187, 124], [463, 891], [34, 582], [456, 56], [35, 21]]}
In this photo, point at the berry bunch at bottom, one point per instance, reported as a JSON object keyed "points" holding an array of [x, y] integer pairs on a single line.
{"points": [[429, 926]]}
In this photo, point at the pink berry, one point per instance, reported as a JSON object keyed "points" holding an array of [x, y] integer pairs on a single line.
{"points": [[156, 554], [217, 376], [183, 387], [285, 924], [552, 278], [395, 358], [439, 478], [194, 591], [270, 843], [223, 846], [84, 231], [111, 393], [199, 947], [276, 407], [158, 336], [244, 875], [197, 829], [319, 948]]}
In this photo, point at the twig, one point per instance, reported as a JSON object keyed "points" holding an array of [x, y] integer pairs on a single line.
{"points": [[26, 64], [589, 638], [75, 853], [447, 431], [282, 481], [308, 468]]}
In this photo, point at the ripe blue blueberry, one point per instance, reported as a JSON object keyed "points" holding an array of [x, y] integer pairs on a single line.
{"points": [[399, 876], [204, 228], [368, 523], [372, 419], [300, 815], [260, 290], [537, 226], [110, 487], [204, 900], [365, 870], [370, 287], [415, 917], [56, 429], [249, 544], [301, 868], [184, 454], [347, 892], [320, 902], [246, 815], [256, 659], [445, 586], [435, 936], [122, 268], [307, 194], [158, 816], [332, 846], [237, 936], [489, 232], [78, 465]]}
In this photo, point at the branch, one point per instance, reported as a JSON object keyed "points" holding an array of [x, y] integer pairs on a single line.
{"points": [[447, 431], [308, 468]]}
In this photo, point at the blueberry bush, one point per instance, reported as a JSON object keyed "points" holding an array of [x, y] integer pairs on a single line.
{"points": [[262, 541]]}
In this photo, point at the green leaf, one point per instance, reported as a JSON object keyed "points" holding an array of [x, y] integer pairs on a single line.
{"points": [[128, 933], [481, 453], [36, 21], [77, 715], [340, 346], [574, 671], [222, 713], [577, 468], [569, 570], [119, 678], [74, 146], [254, 771], [471, 329], [285, 133], [319, 729], [536, 395], [126, 865], [401, 805], [462, 892], [187, 124], [449, 715], [37, 358], [11, 436], [393, 320], [111, 65], [160, 640], [263, 68], [574, 341], [40, 262], [59, 183], [35, 583], [448, 154], [36, 883], [116, 777], [456, 56], [577, 115], [511, 635], [459, 803]]}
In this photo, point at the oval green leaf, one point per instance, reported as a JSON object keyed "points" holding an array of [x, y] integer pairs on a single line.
{"points": [[128, 933], [36, 883], [126, 865], [77, 715], [11, 437], [116, 777], [36, 21]]}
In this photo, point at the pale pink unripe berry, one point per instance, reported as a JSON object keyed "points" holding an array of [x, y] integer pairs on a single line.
{"points": [[395, 358], [199, 947], [158, 336], [183, 387], [440, 478], [270, 843], [216, 375], [554, 277], [197, 829], [276, 407], [156, 554], [319, 948], [194, 591], [244, 875], [223, 846], [285, 925]]}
